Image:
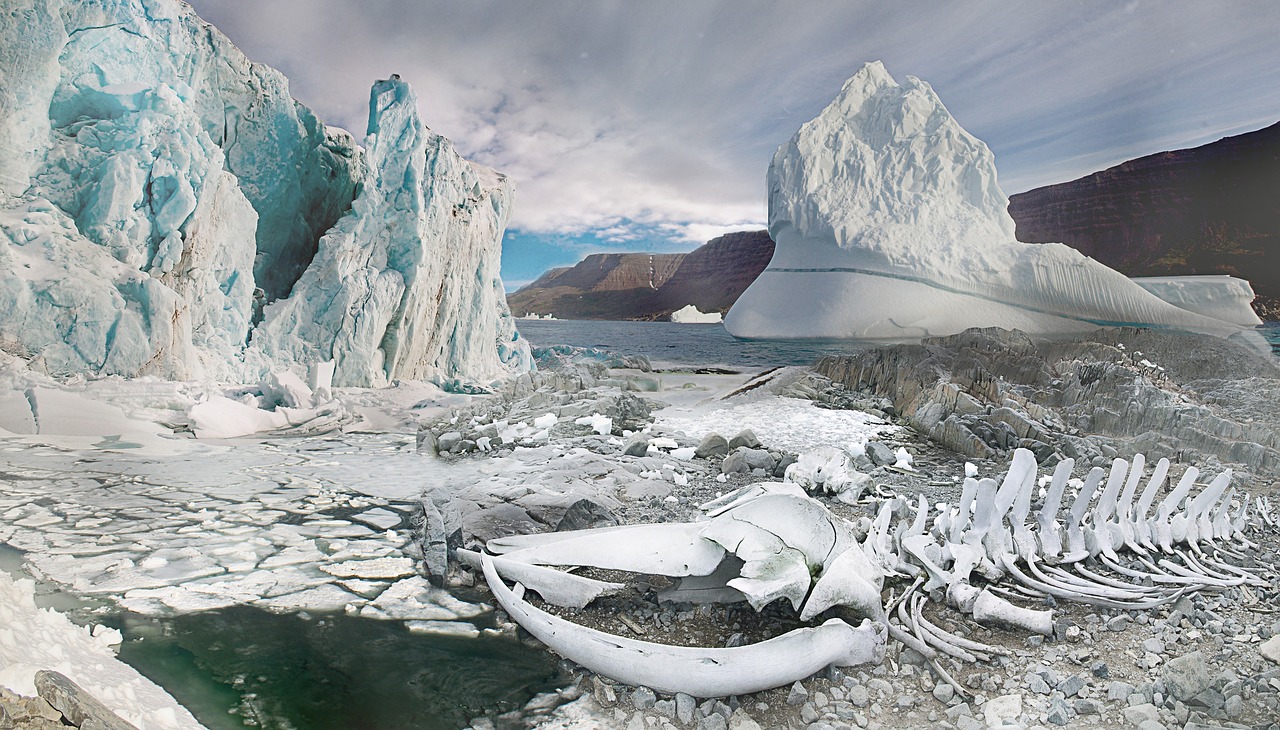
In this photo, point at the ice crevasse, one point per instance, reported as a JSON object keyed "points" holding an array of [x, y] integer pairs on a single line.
{"points": [[166, 208], [889, 224]]}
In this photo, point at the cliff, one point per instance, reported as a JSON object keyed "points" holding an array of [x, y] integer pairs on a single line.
{"points": [[649, 286], [1206, 210]]}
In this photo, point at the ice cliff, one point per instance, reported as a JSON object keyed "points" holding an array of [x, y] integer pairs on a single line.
{"points": [[889, 223], [159, 193]]}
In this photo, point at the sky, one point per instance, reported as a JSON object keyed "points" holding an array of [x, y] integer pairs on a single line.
{"points": [[649, 125]]}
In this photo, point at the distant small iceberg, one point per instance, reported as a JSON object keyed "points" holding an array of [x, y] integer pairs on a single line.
{"points": [[535, 315], [689, 314]]}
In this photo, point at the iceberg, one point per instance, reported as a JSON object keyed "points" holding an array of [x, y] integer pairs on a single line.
{"points": [[689, 314], [889, 224], [160, 194]]}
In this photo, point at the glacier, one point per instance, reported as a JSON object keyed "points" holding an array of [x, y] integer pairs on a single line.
{"points": [[890, 224], [167, 209]]}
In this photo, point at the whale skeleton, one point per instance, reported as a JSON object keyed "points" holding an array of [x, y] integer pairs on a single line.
{"points": [[983, 556]]}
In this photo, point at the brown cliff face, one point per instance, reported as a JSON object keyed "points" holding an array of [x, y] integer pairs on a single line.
{"points": [[649, 286], [1207, 210]]}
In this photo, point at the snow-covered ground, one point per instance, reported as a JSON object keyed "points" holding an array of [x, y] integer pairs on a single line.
{"points": [[109, 495]]}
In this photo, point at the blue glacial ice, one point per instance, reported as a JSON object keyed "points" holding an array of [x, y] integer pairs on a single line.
{"points": [[159, 191], [890, 224]]}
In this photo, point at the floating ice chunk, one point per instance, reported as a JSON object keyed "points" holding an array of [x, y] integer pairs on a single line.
{"points": [[283, 388], [376, 568], [689, 314], [545, 422], [602, 425], [662, 442], [970, 469], [903, 458], [416, 599], [684, 454], [322, 598], [380, 518], [220, 417], [460, 629]]}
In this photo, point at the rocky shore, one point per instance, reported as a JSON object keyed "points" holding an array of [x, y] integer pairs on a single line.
{"points": [[1210, 659]]}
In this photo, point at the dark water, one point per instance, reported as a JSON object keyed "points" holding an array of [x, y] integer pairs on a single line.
{"points": [[708, 344], [242, 666], [685, 344], [245, 667]]}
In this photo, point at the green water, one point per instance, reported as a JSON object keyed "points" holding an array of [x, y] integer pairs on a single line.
{"points": [[243, 667]]}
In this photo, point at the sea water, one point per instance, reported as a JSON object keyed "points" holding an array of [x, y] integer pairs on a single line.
{"points": [[708, 344], [703, 345]]}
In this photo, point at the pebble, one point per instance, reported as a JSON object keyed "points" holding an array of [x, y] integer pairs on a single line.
{"points": [[943, 692], [798, 695], [643, 698]]}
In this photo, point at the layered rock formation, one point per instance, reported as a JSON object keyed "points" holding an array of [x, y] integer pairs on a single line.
{"points": [[1190, 398], [890, 224], [158, 189], [1207, 210], [649, 286]]}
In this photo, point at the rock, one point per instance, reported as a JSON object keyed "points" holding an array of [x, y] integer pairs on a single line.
{"points": [[1004, 707], [745, 438], [1087, 707], [798, 695], [1070, 686], [1151, 725], [943, 692], [1037, 684], [808, 713], [76, 705], [427, 443], [585, 514], [1119, 623], [447, 441], [742, 721], [1234, 706], [967, 722], [629, 413], [1138, 714], [1187, 676], [780, 470], [1270, 649], [858, 696], [685, 705], [713, 444], [1119, 691], [1100, 670], [1059, 713], [643, 698], [880, 454], [714, 721], [637, 446], [1210, 698], [1153, 645], [745, 460]]}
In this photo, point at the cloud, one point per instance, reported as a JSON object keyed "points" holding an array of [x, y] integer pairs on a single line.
{"points": [[626, 120]]}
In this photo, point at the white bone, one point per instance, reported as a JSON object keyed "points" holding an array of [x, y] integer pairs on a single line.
{"points": [[673, 550], [700, 672], [555, 586]]}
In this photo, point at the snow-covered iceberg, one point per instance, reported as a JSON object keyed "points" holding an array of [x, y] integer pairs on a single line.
{"points": [[159, 191], [890, 224]]}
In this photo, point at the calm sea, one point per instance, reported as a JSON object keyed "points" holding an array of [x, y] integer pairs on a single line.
{"points": [[683, 344], [707, 344]]}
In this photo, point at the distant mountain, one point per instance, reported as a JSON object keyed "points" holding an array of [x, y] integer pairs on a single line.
{"points": [[643, 286], [1212, 209]]}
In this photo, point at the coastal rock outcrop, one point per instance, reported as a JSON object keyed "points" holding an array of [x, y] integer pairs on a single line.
{"points": [[986, 392], [890, 224], [158, 191]]}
